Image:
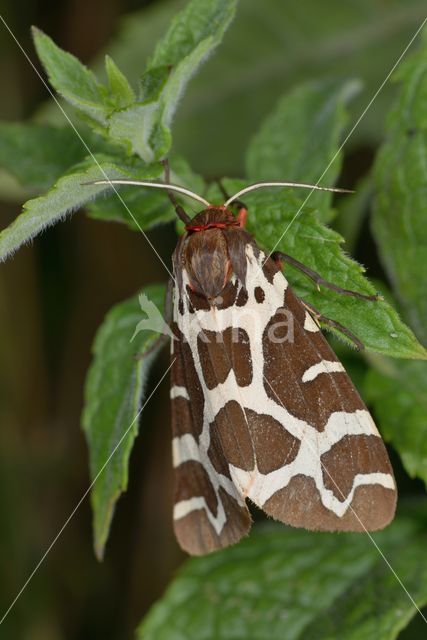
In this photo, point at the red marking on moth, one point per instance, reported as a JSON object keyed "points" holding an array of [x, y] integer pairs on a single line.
{"points": [[242, 217], [212, 225], [238, 221]]}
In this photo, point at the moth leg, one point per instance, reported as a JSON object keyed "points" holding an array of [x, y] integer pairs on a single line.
{"points": [[280, 257], [179, 210], [321, 319], [163, 339]]}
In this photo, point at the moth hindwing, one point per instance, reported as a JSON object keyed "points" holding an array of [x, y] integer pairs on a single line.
{"points": [[261, 406]]}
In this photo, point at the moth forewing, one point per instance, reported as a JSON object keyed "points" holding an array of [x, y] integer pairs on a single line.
{"points": [[340, 477], [209, 510]]}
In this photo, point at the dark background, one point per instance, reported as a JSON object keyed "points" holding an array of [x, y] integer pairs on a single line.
{"points": [[53, 296], [55, 293]]}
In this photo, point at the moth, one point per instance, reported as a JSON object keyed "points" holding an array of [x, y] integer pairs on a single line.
{"points": [[262, 409]]}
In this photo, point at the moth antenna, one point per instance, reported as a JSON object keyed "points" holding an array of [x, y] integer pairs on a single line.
{"points": [[179, 210], [262, 185], [155, 185]]}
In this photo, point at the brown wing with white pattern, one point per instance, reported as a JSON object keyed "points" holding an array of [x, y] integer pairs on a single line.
{"points": [[262, 408], [209, 510], [338, 476]]}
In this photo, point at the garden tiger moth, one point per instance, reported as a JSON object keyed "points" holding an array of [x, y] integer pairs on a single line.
{"points": [[262, 409]]}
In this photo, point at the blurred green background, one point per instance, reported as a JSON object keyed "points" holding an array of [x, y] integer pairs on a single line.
{"points": [[54, 293]]}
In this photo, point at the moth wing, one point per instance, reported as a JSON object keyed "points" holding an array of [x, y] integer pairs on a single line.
{"points": [[320, 461], [271, 416], [209, 510]]}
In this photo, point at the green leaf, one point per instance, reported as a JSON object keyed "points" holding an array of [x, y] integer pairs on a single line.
{"points": [[398, 394], [67, 195], [194, 33], [69, 77], [133, 127], [353, 211], [199, 21], [153, 82], [191, 38], [113, 397], [121, 93], [376, 324], [149, 207], [401, 199], [273, 46], [300, 139], [294, 584], [279, 222], [38, 154]]}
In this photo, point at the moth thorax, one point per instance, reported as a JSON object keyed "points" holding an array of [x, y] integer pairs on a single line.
{"points": [[207, 262], [205, 253]]}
